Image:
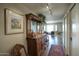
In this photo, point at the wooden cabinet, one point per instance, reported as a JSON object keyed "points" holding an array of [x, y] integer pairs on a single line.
{"points": [[36, 41], [37, 45], [32, 23]]}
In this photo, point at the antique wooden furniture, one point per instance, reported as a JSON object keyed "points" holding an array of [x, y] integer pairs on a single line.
{"points": [[36, 40], [37, 44], [33, 22], [18, 50]]}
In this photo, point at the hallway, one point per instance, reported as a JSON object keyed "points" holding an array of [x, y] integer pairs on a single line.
{"points": [[29, 24]]}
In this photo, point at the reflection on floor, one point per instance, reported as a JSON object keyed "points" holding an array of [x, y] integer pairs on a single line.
{"points": [[57, 40]]}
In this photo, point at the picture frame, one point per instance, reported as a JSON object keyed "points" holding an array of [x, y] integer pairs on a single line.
{"points": [[13, 22]]}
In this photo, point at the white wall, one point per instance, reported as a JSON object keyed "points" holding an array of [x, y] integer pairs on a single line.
{"points": [[8, 41], [67, 31], [66, 46], [72, 46], [67, 34], [75, 30], [59, 27], [63, 33]]}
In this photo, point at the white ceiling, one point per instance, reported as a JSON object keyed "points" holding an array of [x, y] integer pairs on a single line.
{"points": [[58, 9]]}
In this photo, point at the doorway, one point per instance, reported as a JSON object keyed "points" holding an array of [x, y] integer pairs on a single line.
{"points": [[54, 33], [55, 39]]}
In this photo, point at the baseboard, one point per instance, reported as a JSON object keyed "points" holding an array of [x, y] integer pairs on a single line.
{"points": [[4, 54]]}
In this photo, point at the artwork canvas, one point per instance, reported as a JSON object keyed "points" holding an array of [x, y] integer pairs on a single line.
{"points": [[13, 22]]}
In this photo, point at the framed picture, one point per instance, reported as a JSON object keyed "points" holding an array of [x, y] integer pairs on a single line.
{"points": [[13, 22]]}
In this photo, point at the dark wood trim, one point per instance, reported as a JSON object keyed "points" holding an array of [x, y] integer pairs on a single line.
{"points": [[5, 21], [72, 7], [33, 17]]}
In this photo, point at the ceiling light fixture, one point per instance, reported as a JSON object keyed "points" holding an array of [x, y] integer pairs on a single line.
{"points": [[50, 10], [47, 7]]}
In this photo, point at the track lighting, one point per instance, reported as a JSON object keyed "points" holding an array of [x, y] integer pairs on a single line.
{"points": [[49, 9]]}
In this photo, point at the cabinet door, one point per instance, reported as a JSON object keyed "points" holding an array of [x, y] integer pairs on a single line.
{"points": [[39, 46]]}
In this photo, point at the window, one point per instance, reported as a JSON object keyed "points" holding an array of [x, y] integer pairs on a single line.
{"points": [[55, 27], [51, 27]]}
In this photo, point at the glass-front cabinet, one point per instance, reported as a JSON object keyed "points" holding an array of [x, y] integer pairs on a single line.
{"points": [[33, 23]]}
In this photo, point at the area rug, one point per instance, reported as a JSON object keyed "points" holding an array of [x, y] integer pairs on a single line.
{"points": [[56, 50]]}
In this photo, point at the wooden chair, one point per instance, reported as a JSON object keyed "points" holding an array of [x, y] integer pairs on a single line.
{"points": [[18, 50]]}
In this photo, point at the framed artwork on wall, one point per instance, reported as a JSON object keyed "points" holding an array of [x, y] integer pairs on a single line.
{"points": [[13, 22]]}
